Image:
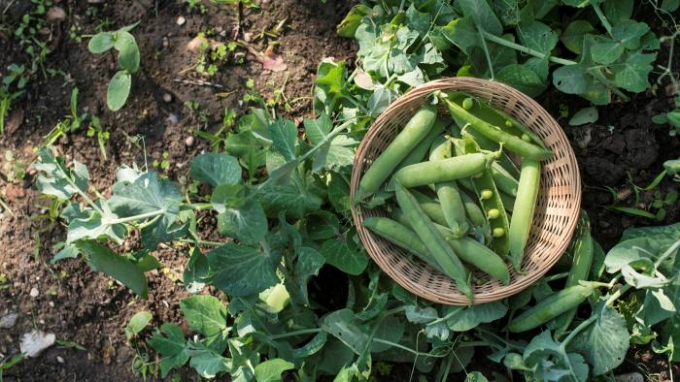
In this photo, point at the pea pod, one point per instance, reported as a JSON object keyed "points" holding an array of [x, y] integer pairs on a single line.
{"points": [[473, 211], [489, 198], [415, 131], [402, 236], [430, 206], [496, 117], [420, 151], [508, 201], [583, 250], [505, 182], [523, 210], [448, 193], [458, 167], [434, 241], [470, 251], [489, 145], [551, 307], [496, 134]]}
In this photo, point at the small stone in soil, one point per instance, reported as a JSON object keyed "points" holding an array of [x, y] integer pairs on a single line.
{"points": [[34, 292], [35, 342], [60, 359], [630, 377], [181, 20], [167, 97], [7, 321], [189, 141]]}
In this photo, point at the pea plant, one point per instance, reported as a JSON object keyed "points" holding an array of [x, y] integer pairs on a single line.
{"points": [[128, 59], [296, 292]]}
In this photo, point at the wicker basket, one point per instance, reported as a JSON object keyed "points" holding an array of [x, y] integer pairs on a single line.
{"points": [[556, 213]]}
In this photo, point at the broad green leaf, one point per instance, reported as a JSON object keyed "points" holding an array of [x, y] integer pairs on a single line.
{"points": [[205, 314], [288, 199], [537, 36], [56, 179], [584, 116], [196, 273], [381, 98], [239, 270], [128, 52], [104, 260], [246, 223], [348, 26], [322, 225], [619, 11], [312, 347], [101, 42], [308, 263], [419, 315], [250, 149], [462, 33], [317, 130], [629, 33], [329, 85], [605, 343], [500, 56], [208, 364], [606, 51], [226, 196], [471, 317], [390, 329], [172, 347], [150, 197], [270, 371], [573, 35], [119, 90], [508, 11], [521, 78], [137, 323], [482, 14], [335, 355], [96, 225], [670, 5], [475, 376], [419, 21], [284, 137], [657, 306], [571, 79], [665, 236], [627, 251], [632, 74], [216, 169], [344, 256], [343, 325]]}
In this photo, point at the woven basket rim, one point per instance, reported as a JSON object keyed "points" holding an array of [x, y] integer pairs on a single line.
{"points": [[558, 139]]}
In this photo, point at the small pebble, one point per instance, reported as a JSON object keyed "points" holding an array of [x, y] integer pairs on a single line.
{"points": [[34, 292], [189, 141], [630, 377], [166, 43], [167, 97], [8, 321], [51, 304], [60, 359], [172, 119], [181, 20], [55, 14]]}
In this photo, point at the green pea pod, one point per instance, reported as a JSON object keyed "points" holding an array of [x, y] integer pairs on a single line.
{"points": [[580, 270], [402, 236], [489, 197], [470, 251], [489, 145], [420, 151], [504, 180], [448, 193], [434, 241], [458, 167], [473, 211], [512, 143], [508, 201], [551, 307], [415, 131], [496, 117], [523, 210], [430, 206]]}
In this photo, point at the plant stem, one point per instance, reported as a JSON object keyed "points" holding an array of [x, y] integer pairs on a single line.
{"points": [[602, 17], [147, 215], [202, 242], [404, 348], [200, 206], [524, 49], [486, 52], [296, 333]]}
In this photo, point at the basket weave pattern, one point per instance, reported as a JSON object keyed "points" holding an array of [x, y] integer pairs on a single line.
{"points": [[556, 212]]}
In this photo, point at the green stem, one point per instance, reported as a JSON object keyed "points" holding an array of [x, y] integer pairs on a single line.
{"points": [[200, 206], [147, 215], [300, 332], [404, 348], [202, 242], [524, 49], [602, 17], [486, 52]]}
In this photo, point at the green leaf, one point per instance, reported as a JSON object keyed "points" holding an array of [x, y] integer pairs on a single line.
{"points": [[289, 199], [96, 226], [151, 196], [137, 323], [606, 51], [345, 256], [460, 32], [537, 36], [605, 343], [196, 273], [670, 5], [618, 11], [209, 364], [246, 223], [317, 130], [500, 56], [633, 73], [308, 263], [584, 116], [573, 35], [482, 14], [205, 314], [471, 317], [329, 86], [270, 371], [104, 260], [348, 26], [508, 10], [475, 376], [119, 90], [284, 136], [419, 21], [571, 79], [629, 33], [312, 347], [101, 42], [216, 169], [343, 325], [128, 52], [172, 347], [322, 225], [57, 180], [239, 270], [522, 78]]}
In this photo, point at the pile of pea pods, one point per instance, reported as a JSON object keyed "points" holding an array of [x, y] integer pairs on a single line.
{"points": [[455, 196]]}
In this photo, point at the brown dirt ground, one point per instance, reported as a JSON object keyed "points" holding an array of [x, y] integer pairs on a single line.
{"points": [[87, 308]]}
